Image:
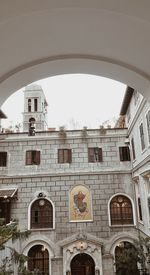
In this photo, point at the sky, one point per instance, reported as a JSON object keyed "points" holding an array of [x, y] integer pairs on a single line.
{"points": [[74, 101]]}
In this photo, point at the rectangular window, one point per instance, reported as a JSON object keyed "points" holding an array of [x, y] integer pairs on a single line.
{"points": [[133, 148], [140, 209], [29, 105], [3, 159], [142, 136], [35, 105], [95, 154], [128, 115], [124, 153], [5, 211], [148, 124], [148, 202], [32, 157], [64, 156]]}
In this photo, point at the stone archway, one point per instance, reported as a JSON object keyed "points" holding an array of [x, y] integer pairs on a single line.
{"points": [[82, 264], [126, 259], [41, 39]]}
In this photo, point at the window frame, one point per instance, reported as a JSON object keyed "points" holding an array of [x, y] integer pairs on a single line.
{"points": [[6, 208], [64, 155], [142, 136], [35, 104], [140, 215], [33, 157], [3, 158], [30, 214], [148, 125], [132, 208], [95, 154], [133, 148], [29, 105], [124, 153]]}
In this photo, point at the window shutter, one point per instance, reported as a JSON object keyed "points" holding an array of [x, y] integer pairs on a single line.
{"points": [[37, 157], [69, 155], [28, 157], [127, 153], [121, 153], [90, 154], [60, 156], [100, 154], [133, 148]]}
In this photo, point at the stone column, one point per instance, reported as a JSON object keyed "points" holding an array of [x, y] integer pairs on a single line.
{"points": [[108, 264]]}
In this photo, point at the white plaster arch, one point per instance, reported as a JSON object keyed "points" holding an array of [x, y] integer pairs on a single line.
{"points": [[29, 210], [133, 208], [118, 238], [94, 251], [42, 240], [45, 38], [121, 237]]}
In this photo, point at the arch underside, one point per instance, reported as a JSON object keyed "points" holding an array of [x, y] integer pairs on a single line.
{"points": [[45, 39]]}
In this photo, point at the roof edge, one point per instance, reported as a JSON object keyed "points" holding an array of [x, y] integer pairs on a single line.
{"points": [[126, 100]]}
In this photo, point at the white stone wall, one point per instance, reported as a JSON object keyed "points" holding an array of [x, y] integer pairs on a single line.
{"points": [[48, 144], [141, 164]]}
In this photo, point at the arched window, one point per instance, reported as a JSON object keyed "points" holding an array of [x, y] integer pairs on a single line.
{"points": [[41, 214], [121, 210], [38, 260]]}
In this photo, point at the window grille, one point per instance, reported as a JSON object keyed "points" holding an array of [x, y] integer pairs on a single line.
{"points": [[95, 154], [41, 214], [32, 157], [38, 260], [121, 211], [124, 153]]}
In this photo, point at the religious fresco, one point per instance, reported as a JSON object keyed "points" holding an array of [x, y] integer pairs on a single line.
{"points": [[80, 204]]}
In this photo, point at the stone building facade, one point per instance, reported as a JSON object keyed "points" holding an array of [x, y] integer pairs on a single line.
{"points": [[136, 111], [75, 191], [52, 177]]}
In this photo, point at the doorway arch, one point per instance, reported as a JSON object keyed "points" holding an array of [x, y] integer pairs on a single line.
{"points": [[82, 264]]}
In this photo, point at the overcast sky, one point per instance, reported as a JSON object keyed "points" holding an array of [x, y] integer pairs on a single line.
{"points": [[74, 101]]}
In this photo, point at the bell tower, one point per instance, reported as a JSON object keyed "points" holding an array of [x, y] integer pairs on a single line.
{"points": [[35, 108]]}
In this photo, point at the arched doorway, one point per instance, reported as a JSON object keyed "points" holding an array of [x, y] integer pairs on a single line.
{"points": [[38, 259], [82, 264], [126, 258]]}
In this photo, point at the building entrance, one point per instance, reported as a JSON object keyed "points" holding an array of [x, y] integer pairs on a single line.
{"points": [[82, 264]]}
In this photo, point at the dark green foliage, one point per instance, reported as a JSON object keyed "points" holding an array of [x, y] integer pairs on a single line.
{"points": [[7, 232], [129, 257]]}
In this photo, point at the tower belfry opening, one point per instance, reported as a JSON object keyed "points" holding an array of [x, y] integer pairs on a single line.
{"points": [[35, 108]]}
